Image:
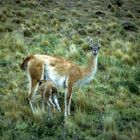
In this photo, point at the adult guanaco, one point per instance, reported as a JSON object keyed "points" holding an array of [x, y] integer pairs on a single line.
{"points": [[61, 72], [49, 95]]}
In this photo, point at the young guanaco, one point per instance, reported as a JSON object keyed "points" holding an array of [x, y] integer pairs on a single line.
{"points": [[49, 95]]}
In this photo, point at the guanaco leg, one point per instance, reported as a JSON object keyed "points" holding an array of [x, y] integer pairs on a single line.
{"points": [[32, 93]]}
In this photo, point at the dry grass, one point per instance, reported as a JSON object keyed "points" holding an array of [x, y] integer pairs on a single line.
{"points": [[107, 107]]}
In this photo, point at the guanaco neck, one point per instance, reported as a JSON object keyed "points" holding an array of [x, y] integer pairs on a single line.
{"points": [[88, 73]]}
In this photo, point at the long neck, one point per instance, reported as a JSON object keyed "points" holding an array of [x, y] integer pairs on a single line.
{"points": [[91, 68], [89, 71]]}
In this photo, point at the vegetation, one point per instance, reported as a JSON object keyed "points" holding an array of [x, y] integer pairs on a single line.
{"points": [[105, 109]]}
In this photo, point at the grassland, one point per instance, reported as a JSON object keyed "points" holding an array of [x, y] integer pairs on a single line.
{"points": [[108, 108]]}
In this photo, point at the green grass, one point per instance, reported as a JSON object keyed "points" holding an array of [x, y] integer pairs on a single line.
{"points": [[105, 109]]}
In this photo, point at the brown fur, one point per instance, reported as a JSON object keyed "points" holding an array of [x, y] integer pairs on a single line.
{"points": [[48, 92]]}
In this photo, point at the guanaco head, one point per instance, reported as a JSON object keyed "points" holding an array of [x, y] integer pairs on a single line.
{"points": [[49, 86], [95, 46], [41, 82]]}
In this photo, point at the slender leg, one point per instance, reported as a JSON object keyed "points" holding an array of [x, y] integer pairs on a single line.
{"points": [[31, 96], [49, 108], [52, 104], [31, 105], [65, 102], [43, 101], [35, 72], [43, 105], [56, 102], [69, 99], [69, 104]]}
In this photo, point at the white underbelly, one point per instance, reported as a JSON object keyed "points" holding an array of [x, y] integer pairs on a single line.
{"points": [[53, 76], [57, 79]]}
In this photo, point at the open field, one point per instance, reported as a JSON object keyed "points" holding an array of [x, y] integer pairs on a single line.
{"points": [[108, 108]]}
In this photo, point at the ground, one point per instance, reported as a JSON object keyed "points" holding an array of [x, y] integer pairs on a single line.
{"points": [[105, 109]]}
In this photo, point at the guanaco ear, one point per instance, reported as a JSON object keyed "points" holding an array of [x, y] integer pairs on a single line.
{"points": [[99, 44], [90, 41], [54, 90], [21, 65], [41, 81], [50, 90]]}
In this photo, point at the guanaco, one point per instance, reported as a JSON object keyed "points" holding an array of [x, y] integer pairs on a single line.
{"points": [[61, 72], [49, 95]]}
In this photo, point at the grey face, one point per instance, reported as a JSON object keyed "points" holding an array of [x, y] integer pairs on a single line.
{"points": [[95, 48]]}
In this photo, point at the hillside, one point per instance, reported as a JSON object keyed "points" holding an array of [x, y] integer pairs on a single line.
{"points": [[108, 108]]}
